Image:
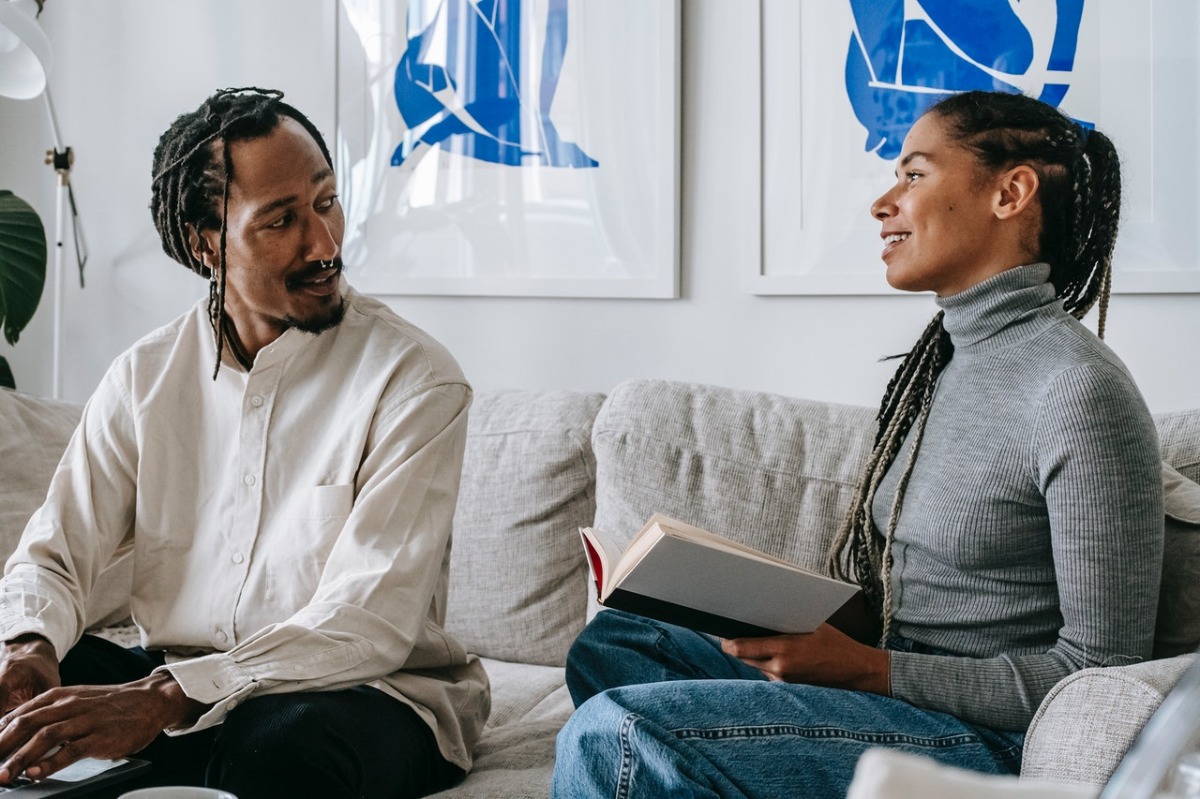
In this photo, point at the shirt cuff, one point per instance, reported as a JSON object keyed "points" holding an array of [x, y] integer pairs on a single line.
{"points": [[215, 680], [12, 628]]}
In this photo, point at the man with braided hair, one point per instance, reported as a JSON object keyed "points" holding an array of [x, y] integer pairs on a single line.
{"points": [[1007, 531], [283, 463]]}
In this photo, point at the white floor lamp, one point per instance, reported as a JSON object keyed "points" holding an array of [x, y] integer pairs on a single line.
{"points": [[25, 60]]}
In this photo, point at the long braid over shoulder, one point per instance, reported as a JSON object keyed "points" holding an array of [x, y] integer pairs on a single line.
{"points": [[192, 173], [1080, 196]]}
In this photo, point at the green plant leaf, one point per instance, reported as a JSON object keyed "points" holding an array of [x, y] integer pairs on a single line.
{"points": [[22, 263], [6, 375]]}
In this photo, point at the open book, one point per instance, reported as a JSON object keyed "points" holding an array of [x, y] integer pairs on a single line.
{"points": [[684, 575]]}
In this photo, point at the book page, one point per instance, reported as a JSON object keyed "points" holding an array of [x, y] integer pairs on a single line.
{"points": [[704, 537], [601, 550], [638, 548]]}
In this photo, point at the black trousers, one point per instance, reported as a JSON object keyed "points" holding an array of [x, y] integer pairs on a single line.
{"points": [[357, 742]]}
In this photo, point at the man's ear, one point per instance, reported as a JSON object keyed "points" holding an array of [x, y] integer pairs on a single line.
{"points": [[203, 244], [1017, 191]]}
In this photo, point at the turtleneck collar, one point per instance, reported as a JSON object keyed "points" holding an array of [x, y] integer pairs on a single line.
{"points": [[1011, 306]]}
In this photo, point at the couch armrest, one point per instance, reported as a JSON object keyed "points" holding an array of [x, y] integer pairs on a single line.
{"points": [[1087, 722]]}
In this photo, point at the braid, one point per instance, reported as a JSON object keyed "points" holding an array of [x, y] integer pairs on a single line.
{"points": [[1097, 219], [217, 283], [1080, 195], [192, 173], [856, 552]]}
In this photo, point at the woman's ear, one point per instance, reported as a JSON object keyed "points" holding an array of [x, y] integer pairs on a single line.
{"points": [[202, 246], [1018, 188]]}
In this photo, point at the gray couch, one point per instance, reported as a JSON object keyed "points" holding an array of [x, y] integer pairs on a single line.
{"points": [[772, 471]]}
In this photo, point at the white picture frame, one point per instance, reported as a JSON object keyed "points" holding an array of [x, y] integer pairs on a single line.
{"points": [[818, 180], [446, 223]]}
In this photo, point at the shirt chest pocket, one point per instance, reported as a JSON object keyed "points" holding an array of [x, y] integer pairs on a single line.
{"points": [[322, 503], [305, 534], [314, 519]]}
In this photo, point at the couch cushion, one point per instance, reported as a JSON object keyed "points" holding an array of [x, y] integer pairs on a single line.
{"points": [[34, 434], [773, 472], [1090, 718], [515, 756], [517, 571], [1177, 630], [1179, 437]]}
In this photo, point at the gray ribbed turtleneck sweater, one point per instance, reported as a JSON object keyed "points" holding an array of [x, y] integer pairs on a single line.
{"points": [[1030, 541]]}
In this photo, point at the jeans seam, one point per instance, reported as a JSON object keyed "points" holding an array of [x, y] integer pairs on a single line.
{"points": [[625, 774], [876, 738]]}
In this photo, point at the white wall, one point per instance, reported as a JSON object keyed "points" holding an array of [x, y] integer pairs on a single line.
{"points": [[125, 68]]}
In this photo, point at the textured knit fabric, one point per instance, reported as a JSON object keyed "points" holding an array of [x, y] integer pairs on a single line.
{"points": [[290, 525], [1090, 719], [517, 578], [1031, 536]]}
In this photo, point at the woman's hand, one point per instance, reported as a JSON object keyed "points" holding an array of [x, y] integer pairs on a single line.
{"points": [[826, 656]]}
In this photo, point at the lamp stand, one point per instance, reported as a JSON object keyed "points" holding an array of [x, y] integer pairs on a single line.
{"points": [[61, 160], [54, 158]]}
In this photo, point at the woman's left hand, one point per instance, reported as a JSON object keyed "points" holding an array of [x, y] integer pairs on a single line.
{"points": [[826, 656]]}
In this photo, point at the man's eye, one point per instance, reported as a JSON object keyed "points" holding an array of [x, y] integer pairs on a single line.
{"points": [[281, 221], [329, 203]]}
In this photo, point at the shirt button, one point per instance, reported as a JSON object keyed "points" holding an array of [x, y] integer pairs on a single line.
{"points": [[256, 401], [238, 557], [248, 479], [220, 636]]}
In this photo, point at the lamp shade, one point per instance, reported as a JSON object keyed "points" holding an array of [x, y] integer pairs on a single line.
{"points": [[25, 56]]}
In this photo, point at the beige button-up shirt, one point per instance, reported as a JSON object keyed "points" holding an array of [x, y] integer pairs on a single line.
{"points": [[290, 525]]}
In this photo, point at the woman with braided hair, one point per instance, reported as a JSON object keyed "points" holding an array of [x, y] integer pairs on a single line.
{"points": [[1007, 530]]}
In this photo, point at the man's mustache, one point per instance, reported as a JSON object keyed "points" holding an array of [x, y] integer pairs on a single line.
{"points": [[311, 270]]}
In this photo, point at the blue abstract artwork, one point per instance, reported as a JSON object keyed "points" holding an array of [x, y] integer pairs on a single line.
{"points": [[905, 55], [461, 83]]}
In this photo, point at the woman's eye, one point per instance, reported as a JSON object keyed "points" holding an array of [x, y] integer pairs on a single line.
{"points": [[911, 177]]}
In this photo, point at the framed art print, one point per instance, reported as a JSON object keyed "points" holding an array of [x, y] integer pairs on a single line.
{"points": [[843, 80], [510, 147]]}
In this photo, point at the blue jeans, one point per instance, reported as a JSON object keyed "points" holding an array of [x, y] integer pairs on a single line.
{"points": [[662, 711]]}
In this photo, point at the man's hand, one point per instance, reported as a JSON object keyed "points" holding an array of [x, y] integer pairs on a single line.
{"points": [[62, 725], [28, 666], [826, 656]]}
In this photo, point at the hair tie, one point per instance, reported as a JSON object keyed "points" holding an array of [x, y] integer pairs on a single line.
{"points": [[1083, 131]]}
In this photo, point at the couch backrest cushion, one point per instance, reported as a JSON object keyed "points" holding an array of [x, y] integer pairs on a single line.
{"points": [[773, 472], [517, 572], [33, 434], [1179, 437], [1178, 625], [1177, 630]]}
